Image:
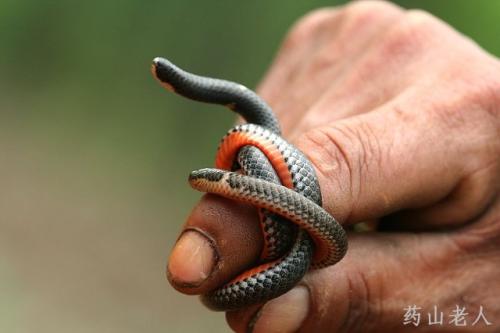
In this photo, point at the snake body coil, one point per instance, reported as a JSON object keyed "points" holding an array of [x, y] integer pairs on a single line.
{"points": [[255, 165]]}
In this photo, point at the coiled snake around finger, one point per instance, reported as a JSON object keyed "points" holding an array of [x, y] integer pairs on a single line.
{"points": [[254, 164]]}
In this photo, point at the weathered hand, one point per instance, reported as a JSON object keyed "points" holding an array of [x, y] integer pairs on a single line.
{"points": [[400, 115]]}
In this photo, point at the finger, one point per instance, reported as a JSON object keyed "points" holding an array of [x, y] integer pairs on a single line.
{"points": [[346, 39], [354, 296], [390, 159], [302, 39], [392, 61], [481, 187], [368, 169], [219, 240]]}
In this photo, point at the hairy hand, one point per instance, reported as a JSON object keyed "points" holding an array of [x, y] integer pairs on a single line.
{"points": [[400, 115]]}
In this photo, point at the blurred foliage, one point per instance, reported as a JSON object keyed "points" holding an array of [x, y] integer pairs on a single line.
{"points": [[96, 153]]}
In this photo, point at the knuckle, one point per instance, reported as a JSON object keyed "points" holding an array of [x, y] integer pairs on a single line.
{"points": [[328, 156], [370, 6], [417, 22], [345, 154], [410, 35], [326, 153], [364, 154], [419, 17], [334, 28], [307, 26], [367, 11], [358, 20]]}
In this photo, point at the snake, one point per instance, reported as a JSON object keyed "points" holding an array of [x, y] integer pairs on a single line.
{"points": [[254, 164]]}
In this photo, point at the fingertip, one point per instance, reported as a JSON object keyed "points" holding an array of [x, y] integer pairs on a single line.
{"points": [[241, 320], [192, 260], [283, 314], [220, 239]]}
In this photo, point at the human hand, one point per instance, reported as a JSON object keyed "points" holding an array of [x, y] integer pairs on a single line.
{"points": [[400, 115]]}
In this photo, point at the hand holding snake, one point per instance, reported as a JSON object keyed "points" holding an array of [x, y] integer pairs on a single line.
{"points": [[399, 116], [266, 161]]}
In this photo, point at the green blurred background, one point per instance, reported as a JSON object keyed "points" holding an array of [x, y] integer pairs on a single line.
{"points": [[94, 154]]}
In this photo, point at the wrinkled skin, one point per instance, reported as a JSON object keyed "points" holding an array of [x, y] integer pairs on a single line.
{"points": [[400, 115]]}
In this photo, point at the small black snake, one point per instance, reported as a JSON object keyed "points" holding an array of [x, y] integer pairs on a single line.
{"points": [[256, 165]]}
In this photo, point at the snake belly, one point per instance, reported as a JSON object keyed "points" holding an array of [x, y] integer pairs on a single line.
{"points": [[254, 164]]}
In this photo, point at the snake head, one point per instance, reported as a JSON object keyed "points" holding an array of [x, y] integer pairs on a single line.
{"points": [[207, 174], [163, 70]]}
